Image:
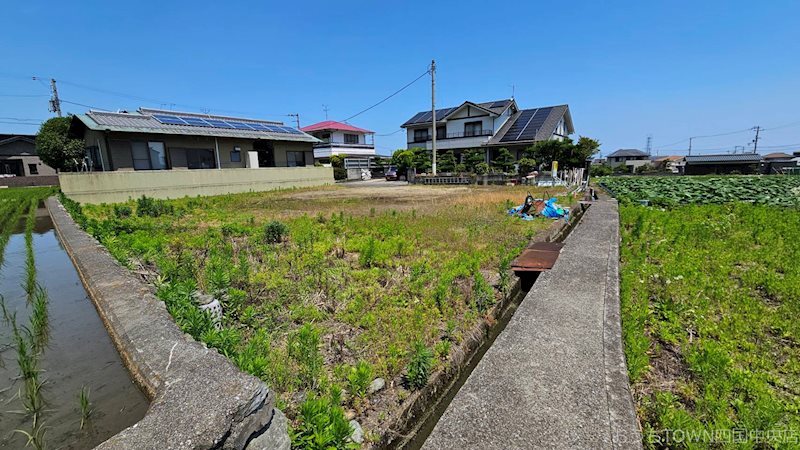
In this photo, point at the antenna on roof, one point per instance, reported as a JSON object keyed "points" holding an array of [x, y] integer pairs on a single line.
{"points": [[296, 118], [513, 88], [325, 108]]}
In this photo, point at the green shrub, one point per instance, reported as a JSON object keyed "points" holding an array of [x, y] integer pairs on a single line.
{"points": [[303, 346], [151, 207], [526, 165], [274, 232], [322, 425], [482, 293], [339, 173], [442, 349], [481, 168], [359, 378], [367, 255], [419, 367], [122, 211]]}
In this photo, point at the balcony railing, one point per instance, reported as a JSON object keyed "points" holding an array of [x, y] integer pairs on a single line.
{"points": [[342, 143], [456, 135]]}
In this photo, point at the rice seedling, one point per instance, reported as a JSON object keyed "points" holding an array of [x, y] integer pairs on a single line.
{"points": [[39, 321], [84, 406], [35, 437]]}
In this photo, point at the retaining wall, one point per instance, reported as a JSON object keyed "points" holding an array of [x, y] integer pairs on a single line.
{"points": [[120, 186], [199, 399]]}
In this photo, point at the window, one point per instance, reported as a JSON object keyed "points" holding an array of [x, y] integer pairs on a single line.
{"points": [[148, 156], [441, 132], [420, 135], [33, 169], [295, 159], [200, 159], [158, 155], [473, 128], [236, 155], [350, 138], [325, 137], [140, 155]]}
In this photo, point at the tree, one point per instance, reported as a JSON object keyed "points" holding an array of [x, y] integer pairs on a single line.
{"points": [[567, 153], [56, 148], [422, 160], [526, 165], [403, 160], [473, 157], [504, 161], [446, 162]]}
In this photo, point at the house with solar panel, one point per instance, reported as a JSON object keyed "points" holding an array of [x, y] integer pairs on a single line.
{"points": [[342, 139], [162, 154], [490, 126]]}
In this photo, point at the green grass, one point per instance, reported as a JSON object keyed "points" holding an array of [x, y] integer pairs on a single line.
{"points": [[325, 288], [711, 299]]}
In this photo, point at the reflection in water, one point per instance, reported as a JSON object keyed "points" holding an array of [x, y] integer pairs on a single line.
{"points": [[78, 353]]}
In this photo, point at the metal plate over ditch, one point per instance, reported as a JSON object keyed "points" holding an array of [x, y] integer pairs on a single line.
{"points": [[538, 257]]}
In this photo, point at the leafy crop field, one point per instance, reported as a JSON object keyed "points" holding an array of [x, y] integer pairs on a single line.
{"points": [[670, 191], [710, 297], [326, 290]]}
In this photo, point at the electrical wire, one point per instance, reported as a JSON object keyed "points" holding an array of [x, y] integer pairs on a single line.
{"points": [[390, 134], [390, 96]]}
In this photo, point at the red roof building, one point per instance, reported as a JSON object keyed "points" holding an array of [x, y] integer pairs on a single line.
{"points": [[341, 139]]}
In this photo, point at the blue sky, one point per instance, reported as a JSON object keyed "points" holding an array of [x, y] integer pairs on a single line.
{"points": [[627, 69]]}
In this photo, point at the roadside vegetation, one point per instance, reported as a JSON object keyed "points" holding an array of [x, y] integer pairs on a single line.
{"points": [[343, 302], [710, 294]]}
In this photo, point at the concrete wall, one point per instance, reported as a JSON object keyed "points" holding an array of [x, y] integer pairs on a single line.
{"points": [[119, 186]]}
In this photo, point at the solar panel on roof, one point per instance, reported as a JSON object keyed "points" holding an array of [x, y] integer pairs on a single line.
{"points": [[218, 123], [171, 120], [195, 121], [240, 125], [258, 126], [519, 125]]}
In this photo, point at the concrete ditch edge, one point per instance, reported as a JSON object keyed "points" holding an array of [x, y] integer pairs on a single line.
{"points": [[625, 429], [198, 398]]}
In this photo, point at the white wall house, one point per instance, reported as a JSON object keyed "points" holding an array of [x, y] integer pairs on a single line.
{"points": [[340, 139], [489, 126]]}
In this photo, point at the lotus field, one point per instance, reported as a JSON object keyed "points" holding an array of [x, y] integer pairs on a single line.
{"points": [[710, 298], [668, 191]]}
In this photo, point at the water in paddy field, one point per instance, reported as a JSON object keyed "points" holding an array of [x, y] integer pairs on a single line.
{"points": [[79, 353]]}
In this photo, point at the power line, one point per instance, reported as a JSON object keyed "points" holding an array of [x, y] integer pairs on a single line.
{"points": [[390, 134], [23, 95], [85, 106], [387, 98]]}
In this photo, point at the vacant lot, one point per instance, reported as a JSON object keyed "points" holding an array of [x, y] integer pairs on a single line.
{"points": [[326, 290], [710, 297]]}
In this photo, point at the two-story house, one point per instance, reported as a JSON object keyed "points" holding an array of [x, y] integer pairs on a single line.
{"points": [[340, 139], [628, 157], [489, 126]]}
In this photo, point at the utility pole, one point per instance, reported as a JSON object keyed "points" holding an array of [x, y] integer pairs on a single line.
{"points": [[55, 103], [690, 146], [296, 118], [325, 108], [433, 113], [755, 141]]}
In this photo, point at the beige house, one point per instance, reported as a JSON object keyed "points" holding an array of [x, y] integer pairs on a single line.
{"points": [[173, 154], [18, 157]]}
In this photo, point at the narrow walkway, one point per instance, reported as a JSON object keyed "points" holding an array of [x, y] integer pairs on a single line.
{"points": [[556, 376]]}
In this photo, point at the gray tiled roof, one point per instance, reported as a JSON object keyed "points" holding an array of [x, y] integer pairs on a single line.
{"points": [[142, 121], [737, 158], [629, 152], [422, 117], [544, 132]]}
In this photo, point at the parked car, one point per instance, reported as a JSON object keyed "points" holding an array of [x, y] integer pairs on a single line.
{"points": [[391, 174]]}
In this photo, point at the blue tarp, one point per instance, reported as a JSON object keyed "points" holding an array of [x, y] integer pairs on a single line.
{"points": [[551, 209]]}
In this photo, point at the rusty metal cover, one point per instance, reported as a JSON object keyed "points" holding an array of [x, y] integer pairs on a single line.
{"points": [[540, 256]]}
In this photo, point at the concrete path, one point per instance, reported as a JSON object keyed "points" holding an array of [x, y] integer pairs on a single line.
{"points": [[556, 376]]}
